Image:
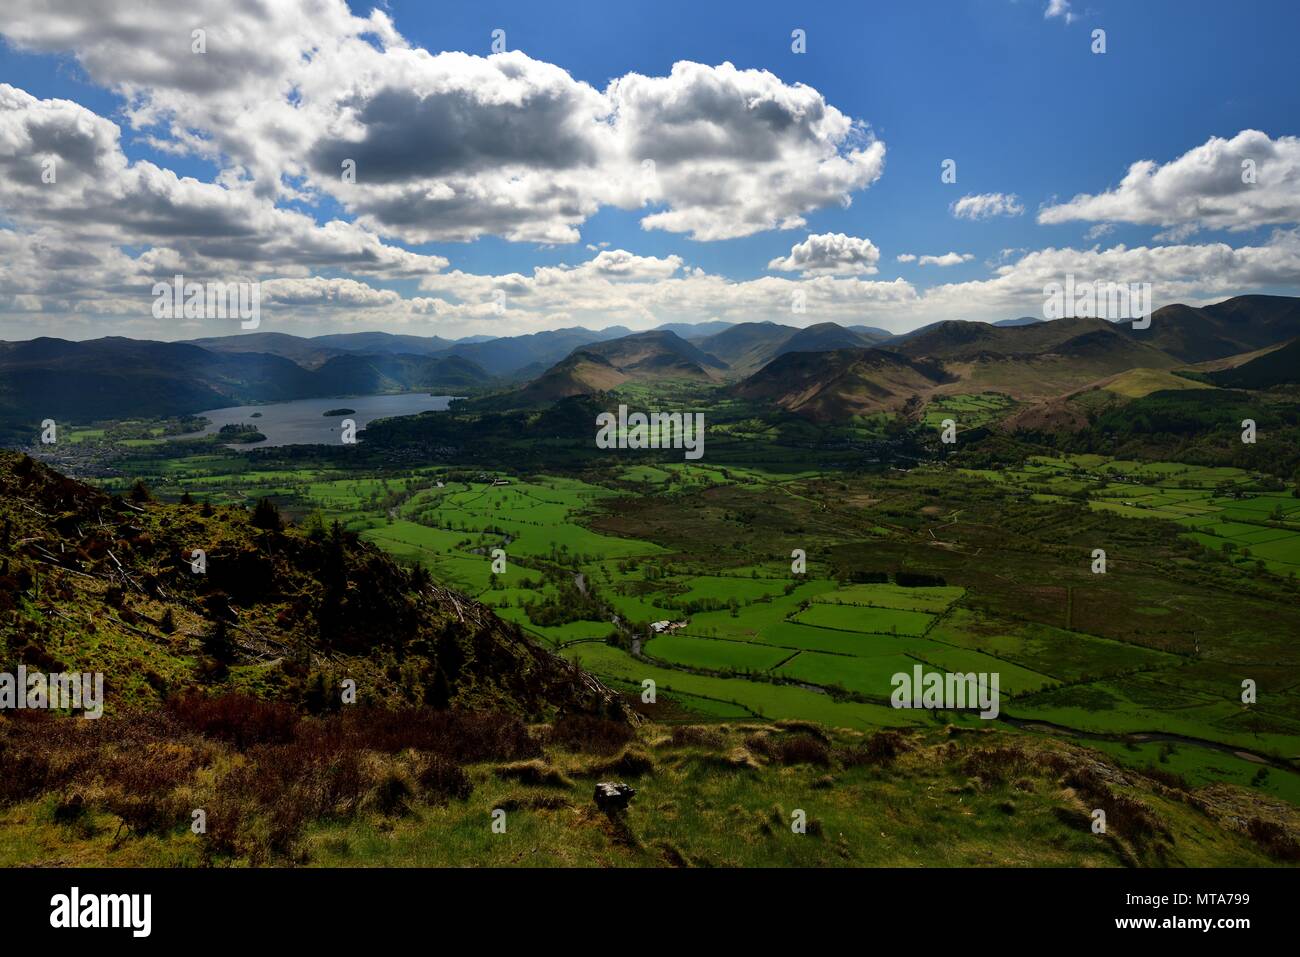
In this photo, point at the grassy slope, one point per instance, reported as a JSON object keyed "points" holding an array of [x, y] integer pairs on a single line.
{"points": [[95, 583], [726, 795], [1139, 382]]}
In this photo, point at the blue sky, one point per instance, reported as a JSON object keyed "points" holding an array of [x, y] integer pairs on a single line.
{"points": [[1017, 98]]}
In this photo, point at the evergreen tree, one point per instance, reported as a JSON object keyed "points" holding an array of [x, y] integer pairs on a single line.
{"points": [[217, 643], [267, 516]]}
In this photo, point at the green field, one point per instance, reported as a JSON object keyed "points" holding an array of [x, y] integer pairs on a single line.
{"points": [[880, 621], [708, 546], [932, 600], [968, 411], [1224, 509], [714, 654]]}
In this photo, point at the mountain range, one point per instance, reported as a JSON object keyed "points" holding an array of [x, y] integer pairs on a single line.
{"points": [[827, 372], [841, 383], [1241, 324], [860, 369], [119, 378]]}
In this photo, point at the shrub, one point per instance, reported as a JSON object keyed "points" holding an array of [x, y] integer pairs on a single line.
{"points": [[881, 748], [632, 763], [534, 772], [145, 813], [806, 727], [463, 737], [242, 720], [441, 780], [392, 794], [590, 735], [995, 765], [694, 735], [790, 749], [143, 766], [1274, 839], [23, 774], [802, 749], [1168, 778]]}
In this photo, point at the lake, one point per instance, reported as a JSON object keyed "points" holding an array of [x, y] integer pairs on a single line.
{"points": [[302, 421]]}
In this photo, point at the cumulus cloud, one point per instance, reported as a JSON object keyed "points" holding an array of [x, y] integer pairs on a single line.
{"points": [[623, 288], [1178, 273], [947, 259], [451, 146], [830, 254], [62, 167], [619, 263], [986, 205], [584, 293], [237, 99], [317, 291], [732, 152], [1240, 183]]}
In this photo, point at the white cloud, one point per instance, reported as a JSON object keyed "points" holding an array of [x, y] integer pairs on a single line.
{"points": [[735, 152], [1061, 9], [1178, 273], [621, 264], [622, 288], [947, 259], [318, 291], [585, 294], [97, 196], [451, 146], [986, 205], [830, 254], [1177, 234], [1205, 188], [454, 146]]}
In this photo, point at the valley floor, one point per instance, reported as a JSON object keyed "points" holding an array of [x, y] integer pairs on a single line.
{"points": [[688, 579], [1145, 661]]}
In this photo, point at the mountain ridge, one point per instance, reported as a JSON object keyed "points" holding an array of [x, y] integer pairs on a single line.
{"points": [[838, 384], [116, 377]]}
